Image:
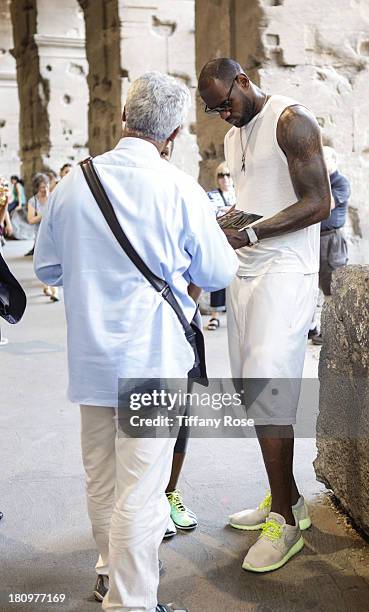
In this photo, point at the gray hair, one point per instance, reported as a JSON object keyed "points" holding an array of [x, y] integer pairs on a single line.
{"points": [[156, 105], [37, 181]]}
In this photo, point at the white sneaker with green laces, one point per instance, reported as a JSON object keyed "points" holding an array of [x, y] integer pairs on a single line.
{"points": [[182, 517], [250, 520], [277, 543]]}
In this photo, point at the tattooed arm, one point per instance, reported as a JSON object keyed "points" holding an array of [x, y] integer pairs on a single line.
{"points": [[298, 135]]}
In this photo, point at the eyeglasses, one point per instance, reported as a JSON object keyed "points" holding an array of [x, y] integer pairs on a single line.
{"points": [[223, 175], [226, 105]]}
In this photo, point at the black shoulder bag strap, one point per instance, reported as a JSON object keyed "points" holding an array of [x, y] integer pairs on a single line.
{"points": [[191, 331]]}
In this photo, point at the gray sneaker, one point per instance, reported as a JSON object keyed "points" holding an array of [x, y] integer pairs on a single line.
{"points": [[251, 520], [277, 543]]}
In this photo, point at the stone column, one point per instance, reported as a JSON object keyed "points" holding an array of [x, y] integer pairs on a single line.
{"points": [[104, 73], [9, 105], [33, 90], [342, 463], [213, 39]]}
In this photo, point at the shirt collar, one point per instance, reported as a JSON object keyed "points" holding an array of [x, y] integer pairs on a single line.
{"points": [[144, 147]]}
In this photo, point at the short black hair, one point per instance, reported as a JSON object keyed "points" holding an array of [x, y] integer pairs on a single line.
{"points": [[222, 68], [67, 165]]}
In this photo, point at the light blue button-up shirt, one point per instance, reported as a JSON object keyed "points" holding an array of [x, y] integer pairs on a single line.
{"points": [[118, 325]]}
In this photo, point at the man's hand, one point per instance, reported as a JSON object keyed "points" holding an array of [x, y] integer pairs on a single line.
{"points": [[236, 239]]}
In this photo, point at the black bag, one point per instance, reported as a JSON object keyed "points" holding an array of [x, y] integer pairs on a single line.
{"points": [[192, 330], [12, 297]]}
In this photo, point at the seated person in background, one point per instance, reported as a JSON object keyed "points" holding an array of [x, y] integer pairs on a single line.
{"points": [[223, 198]]}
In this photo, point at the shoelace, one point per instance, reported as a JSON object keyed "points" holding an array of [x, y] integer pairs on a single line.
{"points": [[272, 530], [176, 500], [267, 502]]}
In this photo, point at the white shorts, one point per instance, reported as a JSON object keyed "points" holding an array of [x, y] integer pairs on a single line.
{"points": [[268, 322]]}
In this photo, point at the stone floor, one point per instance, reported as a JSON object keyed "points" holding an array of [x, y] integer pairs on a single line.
{"points": [[45, 540]]}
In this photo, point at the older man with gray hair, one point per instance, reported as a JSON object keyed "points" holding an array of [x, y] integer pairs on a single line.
{"points": [[120, 327]]}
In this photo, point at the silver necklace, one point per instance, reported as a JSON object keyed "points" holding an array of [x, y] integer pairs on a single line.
{"points": [[244, 149]]}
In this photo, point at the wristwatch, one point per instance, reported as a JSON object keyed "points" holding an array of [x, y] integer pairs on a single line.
{"points": [[253, 239]]}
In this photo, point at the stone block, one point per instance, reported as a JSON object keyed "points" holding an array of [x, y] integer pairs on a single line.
{"points": [[342, 463]]}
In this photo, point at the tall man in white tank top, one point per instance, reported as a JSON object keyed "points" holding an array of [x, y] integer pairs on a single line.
{"points": [[275, 156]]}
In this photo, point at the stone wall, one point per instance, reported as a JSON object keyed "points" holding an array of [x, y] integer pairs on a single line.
{"points": [[159, 35], [9, 106], [342, 463], [318, 57]]}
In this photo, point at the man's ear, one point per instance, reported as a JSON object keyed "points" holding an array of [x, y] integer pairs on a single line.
{"points": [[174, 134], [243, 80], [124, 115]]}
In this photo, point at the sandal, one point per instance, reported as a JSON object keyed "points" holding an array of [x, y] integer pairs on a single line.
{"points": [[213, 324]]}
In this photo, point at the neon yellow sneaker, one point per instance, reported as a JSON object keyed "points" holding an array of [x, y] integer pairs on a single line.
{"points": [[250, 520], [181, 516], [277, 543]]}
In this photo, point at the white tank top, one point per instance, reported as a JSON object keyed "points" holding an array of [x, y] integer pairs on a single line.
{"points": [[266, 189]]}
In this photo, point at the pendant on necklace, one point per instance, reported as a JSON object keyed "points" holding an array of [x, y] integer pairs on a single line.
{"points": [[243, 167]]}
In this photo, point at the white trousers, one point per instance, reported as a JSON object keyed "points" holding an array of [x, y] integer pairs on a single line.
{"points": [[126, 480], [268, 322]]}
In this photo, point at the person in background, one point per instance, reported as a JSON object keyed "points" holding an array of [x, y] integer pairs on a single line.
{"points": [[223, 198], [18, 194], [35, 211], [180, 515], [65, 169], [53, 179], [333, 245]]}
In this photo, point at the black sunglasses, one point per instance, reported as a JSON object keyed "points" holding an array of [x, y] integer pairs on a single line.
{"points": [[223, 174], [226, 105]]}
